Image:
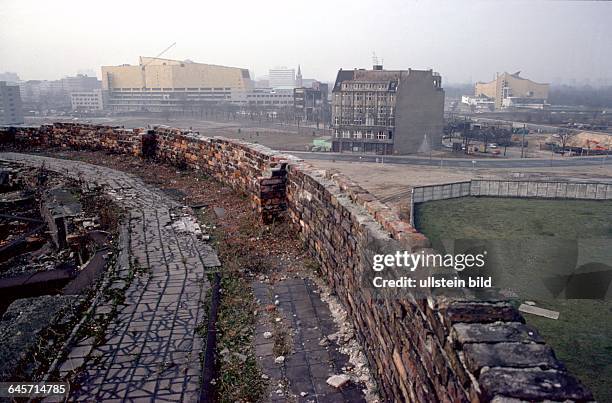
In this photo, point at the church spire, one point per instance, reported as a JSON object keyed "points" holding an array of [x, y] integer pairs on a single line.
{"points": [[298, 78]]}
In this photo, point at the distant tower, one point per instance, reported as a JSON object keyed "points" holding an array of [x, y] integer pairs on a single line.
{"points": [[298, 78]]}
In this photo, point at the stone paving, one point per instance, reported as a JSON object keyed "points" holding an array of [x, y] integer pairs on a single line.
{"points": [[313, 356], [151, 349]]}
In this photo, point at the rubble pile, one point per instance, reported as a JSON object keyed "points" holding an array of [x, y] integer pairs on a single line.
{"points": [[50, 244]]}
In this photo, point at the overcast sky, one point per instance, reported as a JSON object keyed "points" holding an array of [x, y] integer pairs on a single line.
{"points": [[463, 40]]}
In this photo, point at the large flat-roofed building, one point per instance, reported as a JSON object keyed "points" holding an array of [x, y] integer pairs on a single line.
{"points": [[87, 100], [512, 90], [157, 85], [282, 78], [387, 111], [11, 111]]}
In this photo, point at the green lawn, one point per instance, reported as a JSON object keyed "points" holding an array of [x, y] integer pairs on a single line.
{"points": [[528, 240]]}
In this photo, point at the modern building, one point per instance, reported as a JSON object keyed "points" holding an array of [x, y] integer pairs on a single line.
{"points": [[511, 90], [264, 98], [282, 78], [11, 111], [157, 85], [87, 101], [387, 111], [481, 102]]}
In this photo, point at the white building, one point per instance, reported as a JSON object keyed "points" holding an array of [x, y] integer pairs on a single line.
{"points": [[263, 97], [87, 100], [282, 78]]}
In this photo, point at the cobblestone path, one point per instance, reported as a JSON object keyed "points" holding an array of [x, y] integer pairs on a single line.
{"points": [[313, 354], [150, 349]]}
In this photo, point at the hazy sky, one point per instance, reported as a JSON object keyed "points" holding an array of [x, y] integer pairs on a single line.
{"points": [[463, 40]]}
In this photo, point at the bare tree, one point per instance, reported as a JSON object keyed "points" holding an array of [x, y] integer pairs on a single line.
{"points": [[565, 135]]}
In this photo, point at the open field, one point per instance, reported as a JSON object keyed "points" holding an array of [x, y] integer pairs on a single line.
{"points": [[393, 183], [525, 239], [273, 135]]}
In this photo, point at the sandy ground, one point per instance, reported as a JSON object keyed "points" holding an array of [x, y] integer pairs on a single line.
{"points": [[393, 183]]}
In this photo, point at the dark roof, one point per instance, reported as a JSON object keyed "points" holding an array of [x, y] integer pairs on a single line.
{"points": [[343, 75]]}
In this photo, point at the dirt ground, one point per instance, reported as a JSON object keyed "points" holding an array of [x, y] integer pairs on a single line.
{"points": [[392, 183], [274, 135]]}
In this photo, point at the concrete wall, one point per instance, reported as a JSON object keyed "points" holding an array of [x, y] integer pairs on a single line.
{"points": [[514, 188], [420, 350]]}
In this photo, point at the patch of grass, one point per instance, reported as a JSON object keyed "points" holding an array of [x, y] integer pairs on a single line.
{"points": [[238, 377], [529, 239]]}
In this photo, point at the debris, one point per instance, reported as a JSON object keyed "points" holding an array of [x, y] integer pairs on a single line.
{"points": [[338, 381], [279, 360], [534, 310], [267, 335]]}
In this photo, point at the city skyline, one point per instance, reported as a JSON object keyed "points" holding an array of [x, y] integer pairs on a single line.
{"points": [[450, 38]]}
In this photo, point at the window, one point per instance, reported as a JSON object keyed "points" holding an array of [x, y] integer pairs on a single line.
{"points": [[381, 135]]}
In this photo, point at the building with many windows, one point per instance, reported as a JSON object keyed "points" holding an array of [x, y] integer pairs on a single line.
{"points": [[387, 111], [157, 85], [311, 103], [90, 101], [11, 111], [282, 78]]}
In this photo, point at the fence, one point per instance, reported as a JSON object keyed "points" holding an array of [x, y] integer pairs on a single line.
{"points": [[511, 188]]}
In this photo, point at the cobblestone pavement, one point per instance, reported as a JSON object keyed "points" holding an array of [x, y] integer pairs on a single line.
{"points": [[313, 355], [150, 349]]}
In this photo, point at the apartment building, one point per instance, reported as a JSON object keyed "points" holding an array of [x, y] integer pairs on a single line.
{"points": [[387, 111]]}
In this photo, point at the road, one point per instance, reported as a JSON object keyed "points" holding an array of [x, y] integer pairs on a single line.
{"points": [[455, 162]]}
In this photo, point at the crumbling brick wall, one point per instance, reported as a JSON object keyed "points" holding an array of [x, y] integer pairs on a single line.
{"points": [[419, 350]]}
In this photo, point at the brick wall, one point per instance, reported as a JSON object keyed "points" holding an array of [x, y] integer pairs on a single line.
{"points": [[419, 350]]}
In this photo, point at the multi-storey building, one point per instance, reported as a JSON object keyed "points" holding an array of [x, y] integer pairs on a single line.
{"points": [[87, 100], [511, 90], [11, 111], [282, 78], [311, 103], [55, 94], [387, 111], [158, 85], [264, 98]]}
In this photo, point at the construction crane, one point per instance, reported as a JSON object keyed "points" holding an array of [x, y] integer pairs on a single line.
{"points": [[142, 68]]}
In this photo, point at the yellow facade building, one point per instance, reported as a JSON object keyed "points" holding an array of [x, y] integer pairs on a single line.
{"points": [[511, 90], [157, 84]]}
